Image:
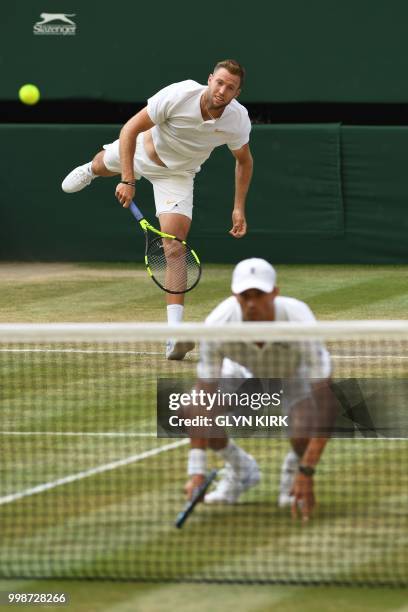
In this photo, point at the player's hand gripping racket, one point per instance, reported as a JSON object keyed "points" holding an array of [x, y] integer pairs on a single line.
{"points": [[170, 262], [197, 496]]}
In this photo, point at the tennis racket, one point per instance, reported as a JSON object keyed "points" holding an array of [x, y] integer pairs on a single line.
{"points": [[170, 262], [197, 496]]}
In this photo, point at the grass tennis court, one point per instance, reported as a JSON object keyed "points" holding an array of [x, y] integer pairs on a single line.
{"points": [[119, 293]]}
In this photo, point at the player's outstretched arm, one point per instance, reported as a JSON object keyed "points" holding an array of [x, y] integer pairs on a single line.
{"points": [[303, 487], [196, 479], [199, 438], [127, 145], [243, 174]]}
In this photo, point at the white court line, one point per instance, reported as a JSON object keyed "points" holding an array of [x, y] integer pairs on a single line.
{"points": [[106, 434], [8, 499]]}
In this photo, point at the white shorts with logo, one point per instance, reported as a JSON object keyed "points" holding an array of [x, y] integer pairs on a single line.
{"points": [[173, 190]]}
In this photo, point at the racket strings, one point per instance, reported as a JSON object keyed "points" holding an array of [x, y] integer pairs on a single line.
{"points": [[173, 265]]}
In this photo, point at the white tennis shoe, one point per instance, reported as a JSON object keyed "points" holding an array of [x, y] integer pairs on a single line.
{"points": [[289, 470], [230, 486], [176, 351], [78, 179]]}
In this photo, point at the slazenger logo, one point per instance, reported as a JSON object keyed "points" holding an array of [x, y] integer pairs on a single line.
{"points": [[47, 27]]}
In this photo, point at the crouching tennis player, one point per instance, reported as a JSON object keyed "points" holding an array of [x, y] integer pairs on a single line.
{"points": [[306, 368]]}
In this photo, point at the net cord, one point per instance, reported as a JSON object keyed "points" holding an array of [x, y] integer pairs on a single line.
{"points": [[145, 332]]}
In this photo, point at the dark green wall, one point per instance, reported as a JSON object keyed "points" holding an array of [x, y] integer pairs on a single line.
{"points": [[320, 193], [294, 50]]}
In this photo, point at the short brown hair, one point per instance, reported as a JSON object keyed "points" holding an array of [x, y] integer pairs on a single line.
{"points": [[233, 67]]}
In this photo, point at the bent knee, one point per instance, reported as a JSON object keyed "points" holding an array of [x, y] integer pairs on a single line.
{"points": [[98, 165]]}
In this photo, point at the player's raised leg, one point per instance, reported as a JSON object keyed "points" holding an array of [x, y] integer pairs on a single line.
{"points": [[82, 176]]}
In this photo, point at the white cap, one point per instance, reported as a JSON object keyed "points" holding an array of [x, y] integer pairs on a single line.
{"points": [[253, 273]]}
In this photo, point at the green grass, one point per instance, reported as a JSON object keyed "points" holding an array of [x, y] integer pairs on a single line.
{"points": [[121, 521], [123, 292]]}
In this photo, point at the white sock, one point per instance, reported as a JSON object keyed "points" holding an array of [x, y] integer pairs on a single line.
{"points": [[175, 313], [236, 457]]}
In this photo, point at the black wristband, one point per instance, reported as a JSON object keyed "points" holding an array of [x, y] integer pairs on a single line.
{"points": [[307, 470], [133, 183]]}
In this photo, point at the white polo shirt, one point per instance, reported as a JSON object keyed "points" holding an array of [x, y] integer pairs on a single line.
{"points": [[303, 359], [183, 140]]}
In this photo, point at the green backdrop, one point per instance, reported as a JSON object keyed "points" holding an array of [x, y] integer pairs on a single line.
{"points": [[319, 50], [320, 193]]}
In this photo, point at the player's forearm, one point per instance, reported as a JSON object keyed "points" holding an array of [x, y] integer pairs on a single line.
{"points": [[197, 463], [198, 441], [313, 452], [243, 176], [197, 457], [127, 146]]}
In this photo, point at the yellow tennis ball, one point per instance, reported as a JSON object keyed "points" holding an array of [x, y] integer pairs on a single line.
{"points": [[29, 94]]}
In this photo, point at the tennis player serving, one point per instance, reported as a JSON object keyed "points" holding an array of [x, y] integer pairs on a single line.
{"points": [[166, 143], [305, 367]]}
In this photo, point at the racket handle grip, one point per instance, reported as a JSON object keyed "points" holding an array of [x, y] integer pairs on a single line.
{"points": [[136, 212]]}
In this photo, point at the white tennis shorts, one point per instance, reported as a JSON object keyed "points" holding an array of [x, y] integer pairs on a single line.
{"points": [[173, 191], [294, 390]]}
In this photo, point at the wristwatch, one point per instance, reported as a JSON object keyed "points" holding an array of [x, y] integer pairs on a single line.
{"points": [[307, 470]]}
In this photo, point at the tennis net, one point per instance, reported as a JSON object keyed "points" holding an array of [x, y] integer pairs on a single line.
{"points": [[92, 474]]}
